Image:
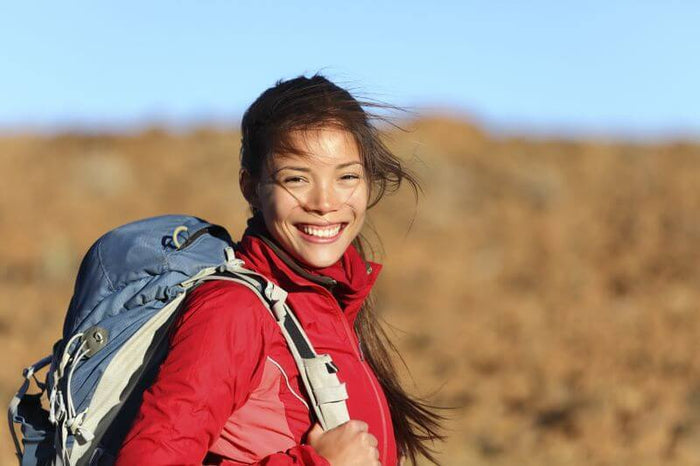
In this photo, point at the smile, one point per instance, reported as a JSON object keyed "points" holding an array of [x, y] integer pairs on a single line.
{"points": [[318, 233]]}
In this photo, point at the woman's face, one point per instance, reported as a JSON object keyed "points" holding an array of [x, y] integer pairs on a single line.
{"points": [[314, 204]]}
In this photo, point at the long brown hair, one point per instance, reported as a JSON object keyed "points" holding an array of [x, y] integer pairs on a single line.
{"points": [[302, 104]]}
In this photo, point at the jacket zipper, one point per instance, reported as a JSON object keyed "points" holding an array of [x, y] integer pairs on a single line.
{"points": [[358, 352], [381, 412]]}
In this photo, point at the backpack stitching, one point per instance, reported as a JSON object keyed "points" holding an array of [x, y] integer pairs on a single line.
{"points": [[102, 267]]}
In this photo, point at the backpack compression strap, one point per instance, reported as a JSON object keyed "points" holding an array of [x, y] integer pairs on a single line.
{"points": [[14, 414], [318, 373]]}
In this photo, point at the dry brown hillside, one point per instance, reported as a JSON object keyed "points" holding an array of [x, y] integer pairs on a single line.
{"points": [[547, 290]]}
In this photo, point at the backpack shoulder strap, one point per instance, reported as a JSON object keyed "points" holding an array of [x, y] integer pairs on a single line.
{"points": [[325, 391]]}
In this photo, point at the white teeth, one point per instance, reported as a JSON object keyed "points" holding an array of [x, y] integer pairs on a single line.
{"points": [[321, 232]]}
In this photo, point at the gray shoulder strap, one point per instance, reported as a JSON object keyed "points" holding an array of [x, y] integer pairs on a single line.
{"points": [[325, 391]]}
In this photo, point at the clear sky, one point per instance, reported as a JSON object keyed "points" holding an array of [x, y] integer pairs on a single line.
{"points": [[606, 67]]}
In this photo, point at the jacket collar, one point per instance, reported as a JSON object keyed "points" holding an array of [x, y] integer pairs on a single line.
{"points": [[350, 280]]}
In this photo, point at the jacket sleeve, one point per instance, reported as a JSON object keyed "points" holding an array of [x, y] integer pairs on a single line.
{"points": [[216, 357]]}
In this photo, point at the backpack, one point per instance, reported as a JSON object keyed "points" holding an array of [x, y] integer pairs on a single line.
{"points": [[129, 290]]}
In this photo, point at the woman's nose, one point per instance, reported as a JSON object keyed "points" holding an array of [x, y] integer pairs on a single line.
{"points": [[322, 199]]}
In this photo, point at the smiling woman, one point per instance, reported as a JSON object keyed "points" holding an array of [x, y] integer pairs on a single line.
{"points": [[229, 391], [314, 204]]}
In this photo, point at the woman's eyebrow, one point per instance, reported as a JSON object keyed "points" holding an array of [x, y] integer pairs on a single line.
{"points": [[307, 169], [290, 167], [347, 164]]}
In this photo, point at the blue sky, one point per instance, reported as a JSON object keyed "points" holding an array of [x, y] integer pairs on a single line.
{"points": [[592, 67]]}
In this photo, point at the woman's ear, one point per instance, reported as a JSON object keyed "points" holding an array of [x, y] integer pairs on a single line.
{"points": [[249, 188]]}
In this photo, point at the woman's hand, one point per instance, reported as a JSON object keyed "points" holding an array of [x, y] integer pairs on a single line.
{"points": [[348, 444]]}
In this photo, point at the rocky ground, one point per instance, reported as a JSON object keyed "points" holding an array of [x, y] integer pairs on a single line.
{"points": [[547, 291]]}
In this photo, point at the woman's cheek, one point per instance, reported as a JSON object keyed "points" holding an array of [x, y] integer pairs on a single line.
{"points": [[358, 200]]}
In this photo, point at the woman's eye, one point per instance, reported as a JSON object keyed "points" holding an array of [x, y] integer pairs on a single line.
{"points": [[293, 179], [350, 176]]}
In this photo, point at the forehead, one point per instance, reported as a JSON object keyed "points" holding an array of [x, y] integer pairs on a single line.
{"points": [[324, 146]]}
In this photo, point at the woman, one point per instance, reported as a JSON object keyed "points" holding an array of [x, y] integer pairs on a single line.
{"points": [[229, 391]]}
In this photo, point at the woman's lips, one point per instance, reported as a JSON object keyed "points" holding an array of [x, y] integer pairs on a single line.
{"points": [[320, 233]]}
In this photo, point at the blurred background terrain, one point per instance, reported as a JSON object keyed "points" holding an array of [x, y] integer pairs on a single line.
{"points": [[547, 290], [546, 283]]}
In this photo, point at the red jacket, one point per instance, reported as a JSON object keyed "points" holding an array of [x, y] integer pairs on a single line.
{"points": [[229, 391]]}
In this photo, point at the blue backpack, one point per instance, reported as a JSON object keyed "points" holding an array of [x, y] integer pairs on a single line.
{"points": [[129, 289]]}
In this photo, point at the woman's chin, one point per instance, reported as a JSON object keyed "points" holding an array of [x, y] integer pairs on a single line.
{"points": [[319, 262], [319, 257]]}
